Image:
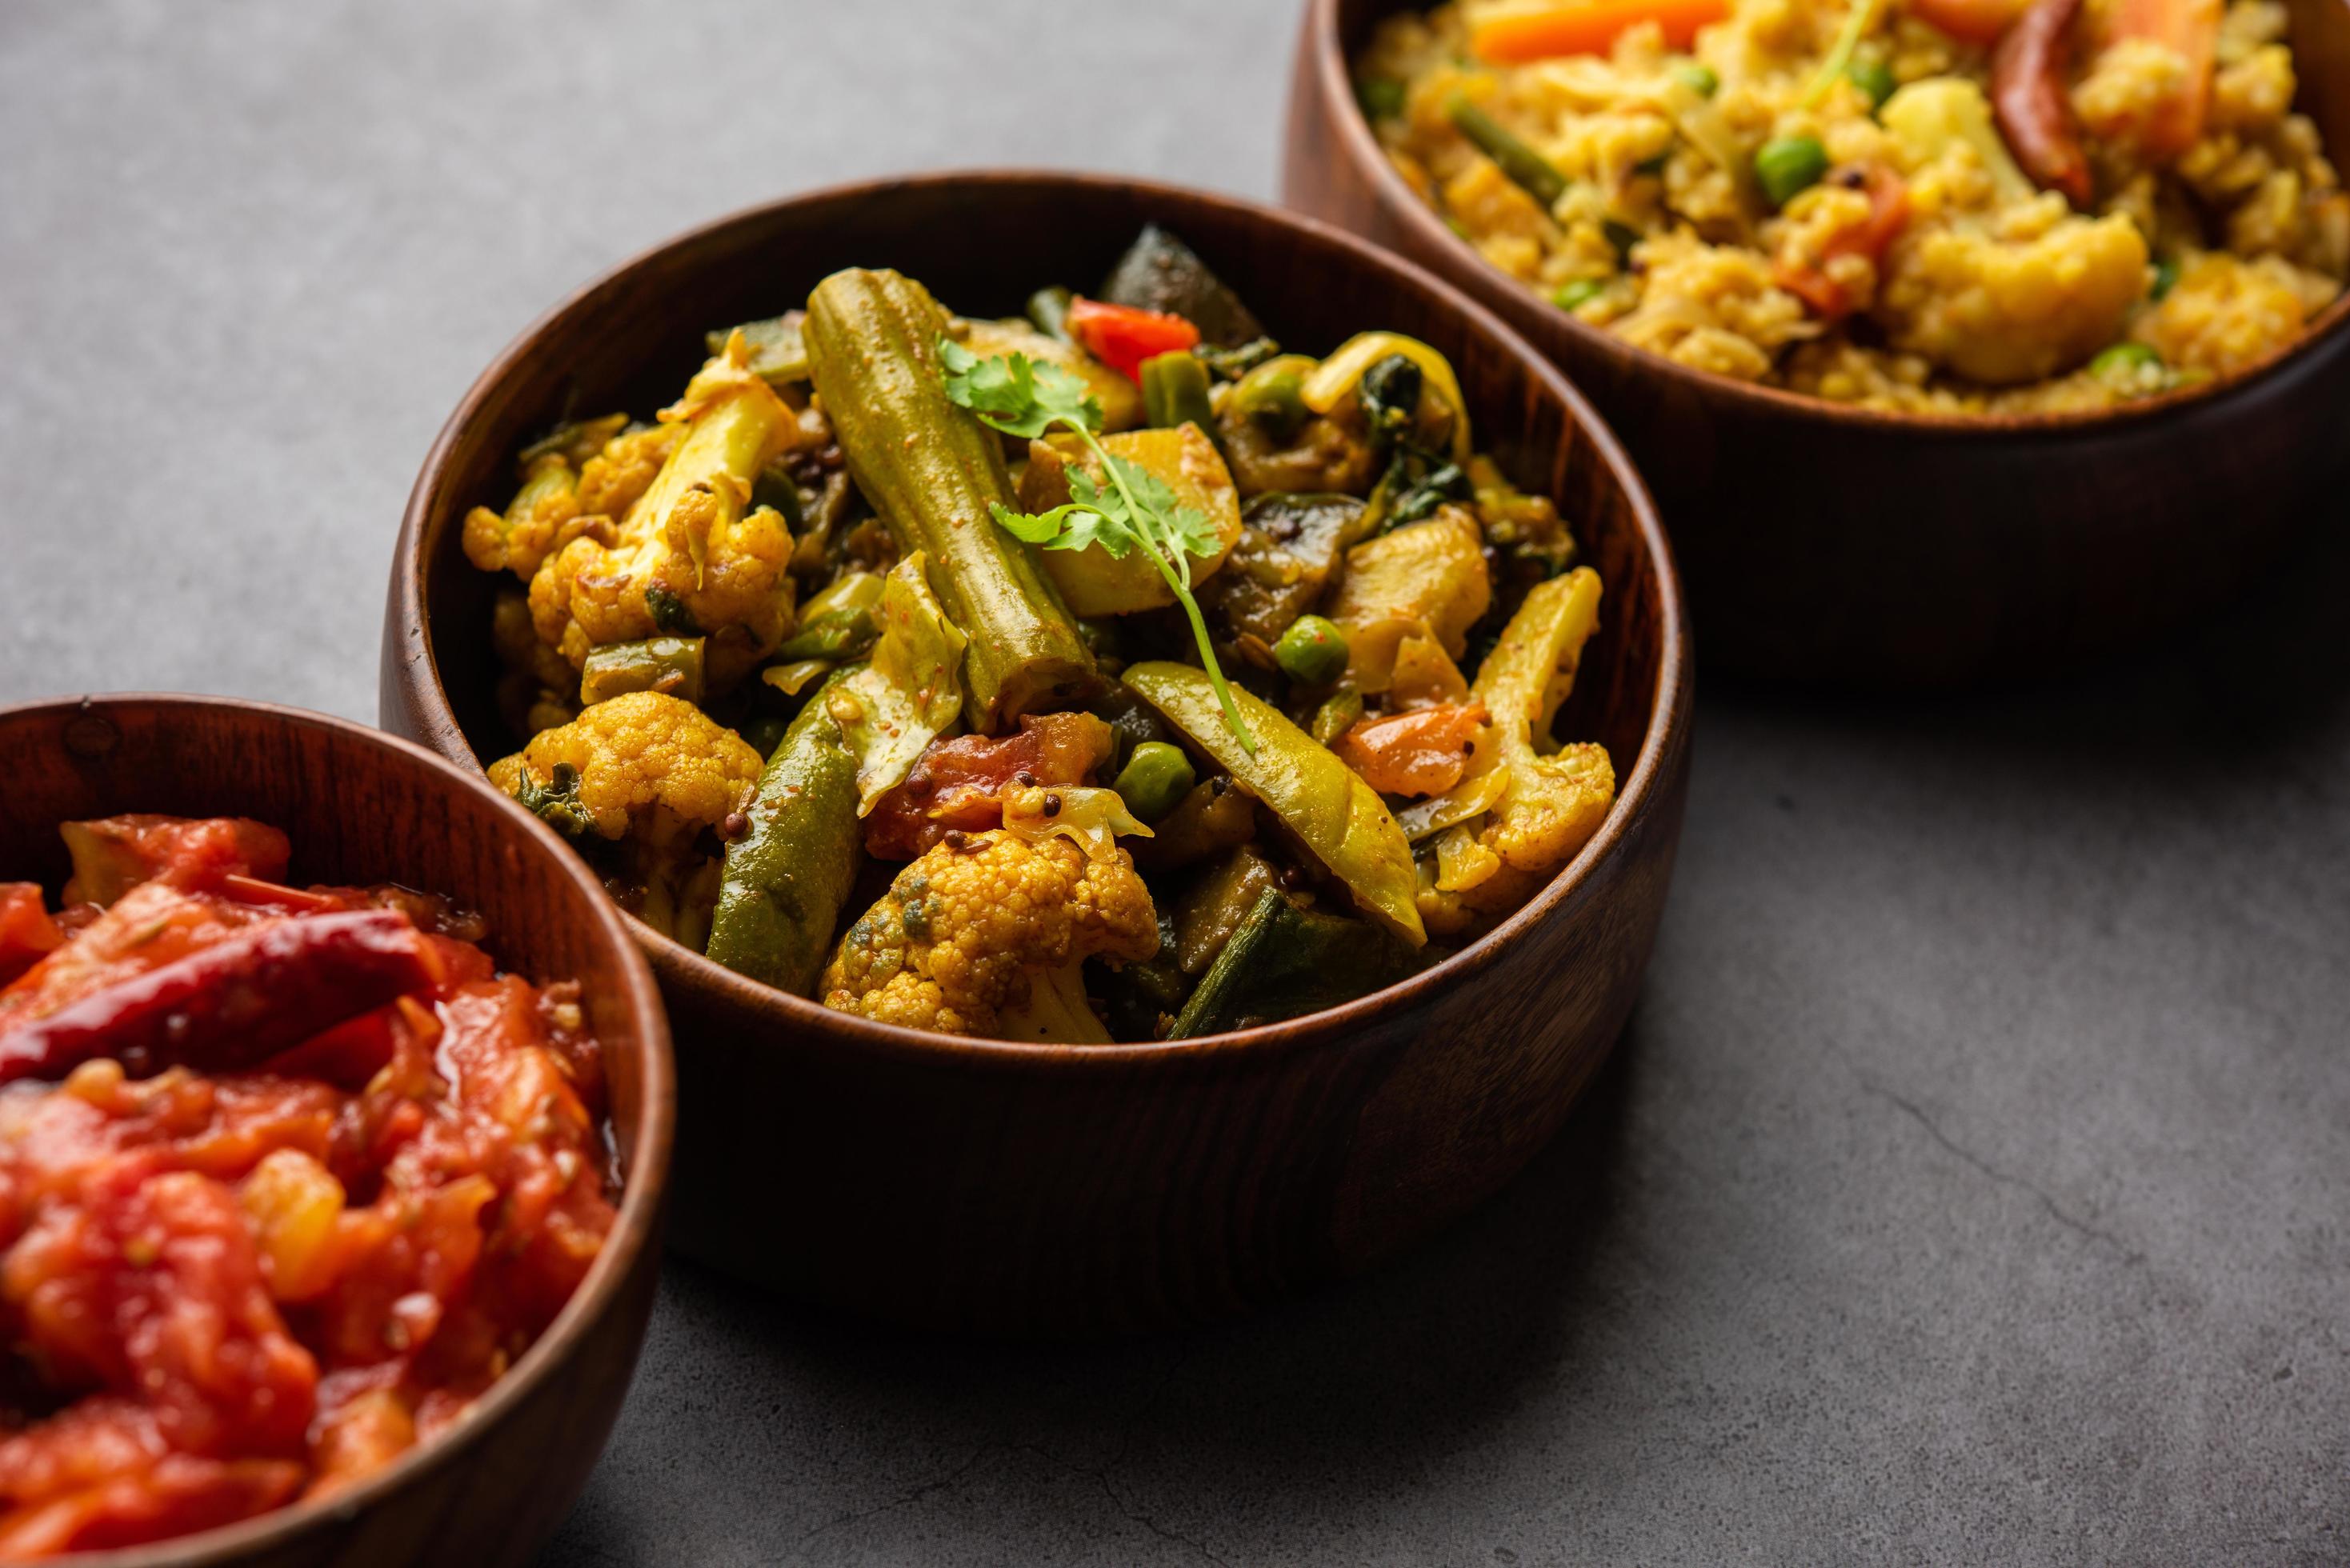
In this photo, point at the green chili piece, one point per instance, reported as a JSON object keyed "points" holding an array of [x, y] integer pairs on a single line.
{"points": [[666, 664], [1175, 392]]}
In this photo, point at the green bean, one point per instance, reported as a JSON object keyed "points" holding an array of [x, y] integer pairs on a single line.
{"points": [[837, 634], [1339, 713], [1313, 650], [1175, 392], [1526, 168], [665, 664], [1155, 780], [1786, 166], [788, 876]]}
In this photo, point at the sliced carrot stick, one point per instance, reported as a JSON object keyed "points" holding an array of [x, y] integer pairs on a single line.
{"points": [[1586, 26]]}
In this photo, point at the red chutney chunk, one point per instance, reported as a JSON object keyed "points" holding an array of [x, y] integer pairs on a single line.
{"points": [[287, 1180]]}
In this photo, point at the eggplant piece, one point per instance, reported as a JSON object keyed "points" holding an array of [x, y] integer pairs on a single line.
{"points": [[1285, 962], [1160, 272], [1289, 546]]}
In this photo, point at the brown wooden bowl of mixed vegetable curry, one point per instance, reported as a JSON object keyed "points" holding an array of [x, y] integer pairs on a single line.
{"points": [[1140, 799], [1958, 338], [336, 1114]]}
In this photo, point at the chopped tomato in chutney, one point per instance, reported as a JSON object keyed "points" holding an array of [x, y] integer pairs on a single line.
{"points": [[288, 1179]]}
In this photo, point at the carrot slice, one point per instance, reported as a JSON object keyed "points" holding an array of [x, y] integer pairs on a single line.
{"points": [[2190, 29], [1586, 27]]}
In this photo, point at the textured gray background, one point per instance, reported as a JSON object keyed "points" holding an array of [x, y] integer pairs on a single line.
{"points": [[1972, 1185]]}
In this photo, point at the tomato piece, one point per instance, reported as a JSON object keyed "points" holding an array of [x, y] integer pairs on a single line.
{"points": [[959, 783], [1421, 753], [112, 855], [179, 1495], [1889, 213], [1123, 336], [26, 931]]}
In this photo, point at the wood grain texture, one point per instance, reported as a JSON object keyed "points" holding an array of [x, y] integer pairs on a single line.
{"points": [[1844, 547], [363, 807], [1045, 1190]]}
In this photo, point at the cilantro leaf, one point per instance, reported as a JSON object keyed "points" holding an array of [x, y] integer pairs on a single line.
{"points": [[1134, 510], [1016, 395]]}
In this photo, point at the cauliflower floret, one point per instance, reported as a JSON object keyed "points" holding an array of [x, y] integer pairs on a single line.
{"points": [[690, 556], [646, 764], [2225, 313], [2007, 310], [1553, 801], [966, 931], [649, 781]]}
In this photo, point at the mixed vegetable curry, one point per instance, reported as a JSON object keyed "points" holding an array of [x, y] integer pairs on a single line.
{"points": [[288, 1179], [1105, 673], [1948, 206]]}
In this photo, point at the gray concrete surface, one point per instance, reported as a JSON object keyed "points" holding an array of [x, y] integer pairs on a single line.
{"points": [[1973, 1185]]}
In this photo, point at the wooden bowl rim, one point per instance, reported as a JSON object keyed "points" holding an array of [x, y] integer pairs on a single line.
{"points": [[634, 1232], [811, 1022], [1357, 144]]}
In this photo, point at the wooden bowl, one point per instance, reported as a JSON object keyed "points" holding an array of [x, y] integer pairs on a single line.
{"points": [[1836, 545], [1037, 1188], [363, 807]]}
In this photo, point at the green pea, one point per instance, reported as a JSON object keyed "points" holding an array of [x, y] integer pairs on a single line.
{"points": [[1313, 650], [1577, 294], [1788, 165], [1381, 96], [2166, 278], [1873, 77], [2130, 358], [1701, 80], [1155, 780]]}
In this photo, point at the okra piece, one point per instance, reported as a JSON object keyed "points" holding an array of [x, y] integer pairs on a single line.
{"points": [[788, 875], [1527, 168], [1175, 392], [1285, 962], [672, 665], [933, 472]]}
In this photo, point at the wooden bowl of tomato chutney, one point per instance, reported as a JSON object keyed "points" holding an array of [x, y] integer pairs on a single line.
{"points": [[1009, 1188], [364, 808]]}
